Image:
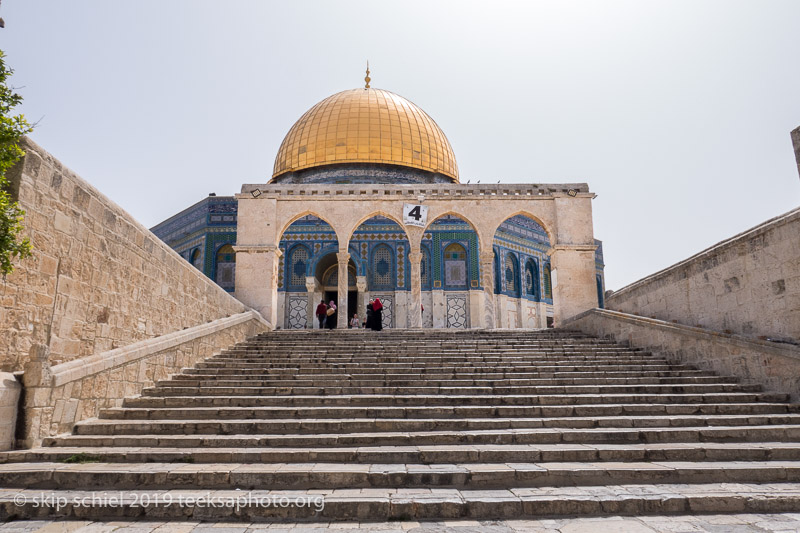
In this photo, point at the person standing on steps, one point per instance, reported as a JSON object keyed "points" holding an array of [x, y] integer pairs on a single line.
{"points": [[377, 315], [321, 312], [370, 315], [330, 321], [355, 323]]}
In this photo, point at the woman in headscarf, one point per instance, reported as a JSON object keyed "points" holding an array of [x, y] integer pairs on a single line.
{"points": [[330, 322], [377, 315]]}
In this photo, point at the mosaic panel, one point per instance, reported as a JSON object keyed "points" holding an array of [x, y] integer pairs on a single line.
{"points": [[457, 310], [297, 312]]}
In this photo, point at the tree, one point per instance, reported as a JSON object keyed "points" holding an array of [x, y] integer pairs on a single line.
{"points": [[12, 128]]}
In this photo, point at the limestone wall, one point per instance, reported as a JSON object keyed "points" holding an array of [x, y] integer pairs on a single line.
{"points": [[57, 397], [747, 285], [98, 280], [773, 365]]}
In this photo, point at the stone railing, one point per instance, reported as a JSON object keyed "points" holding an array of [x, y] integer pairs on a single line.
{"points": [[59, 396], [774, 365]]}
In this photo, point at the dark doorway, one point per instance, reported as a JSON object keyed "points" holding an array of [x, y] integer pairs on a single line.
{"points": [[352, 302]]}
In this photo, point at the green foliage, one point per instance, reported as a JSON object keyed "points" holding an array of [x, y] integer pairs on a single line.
{"points": [[12, 128]]}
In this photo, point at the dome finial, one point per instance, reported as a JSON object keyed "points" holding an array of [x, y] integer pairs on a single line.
{"points": [[367, 78]]}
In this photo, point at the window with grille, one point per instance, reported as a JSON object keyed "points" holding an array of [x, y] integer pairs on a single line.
{"points": [[298, 265], [511, 273], [548, 291], [532, 279], [382, 275]]}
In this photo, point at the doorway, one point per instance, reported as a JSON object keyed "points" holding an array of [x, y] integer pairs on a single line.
{"points": [[352, 302]]}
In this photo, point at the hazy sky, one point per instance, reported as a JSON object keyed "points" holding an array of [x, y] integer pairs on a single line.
{"points": [[677, 113]]}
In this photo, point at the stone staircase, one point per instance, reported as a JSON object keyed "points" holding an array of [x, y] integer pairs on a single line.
{"points": [[421, 424]]}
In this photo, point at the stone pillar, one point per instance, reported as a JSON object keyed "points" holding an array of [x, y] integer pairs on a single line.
{"points": [[363, 297], [257, 279], [415, 300], [572, 280], [487, 281], [311, 288], [343, 259]]}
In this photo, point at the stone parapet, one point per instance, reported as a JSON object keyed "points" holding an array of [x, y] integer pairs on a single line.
{"points": [[747, 285], [59, 396], [97, 280], [776, 366], [412, 192]]}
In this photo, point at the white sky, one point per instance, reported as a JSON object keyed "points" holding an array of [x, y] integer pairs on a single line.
{"points": [[677, 113]]}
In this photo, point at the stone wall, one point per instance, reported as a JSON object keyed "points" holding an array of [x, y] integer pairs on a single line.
{"points": [[98, 280], [773, 365], [57, 397], [747, 285]]}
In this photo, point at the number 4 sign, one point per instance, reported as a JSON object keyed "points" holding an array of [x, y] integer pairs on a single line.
{"points": [[415, 215]]}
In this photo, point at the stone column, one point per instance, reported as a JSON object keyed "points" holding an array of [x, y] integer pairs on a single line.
{"points": [[572, 279], [343, 259], [257, 279], [415, 301], [311, 288], [363, 297], [487, 281]]}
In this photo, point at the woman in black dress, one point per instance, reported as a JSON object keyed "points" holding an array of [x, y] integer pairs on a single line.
{"points": [[370, 315], [377, 315]]}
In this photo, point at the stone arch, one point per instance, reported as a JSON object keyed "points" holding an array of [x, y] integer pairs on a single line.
{"points": [[551, 235], [463, 217], [294, 218], [377, 213]]}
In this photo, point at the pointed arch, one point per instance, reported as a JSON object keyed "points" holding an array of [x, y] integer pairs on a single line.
{"points": [[306, 213], [528, 214]]}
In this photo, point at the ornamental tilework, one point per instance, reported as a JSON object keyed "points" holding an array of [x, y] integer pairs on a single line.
{"points": [[401, 261], [457, 309], [297, 316]]}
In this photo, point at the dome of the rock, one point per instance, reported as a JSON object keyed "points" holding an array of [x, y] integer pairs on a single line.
{"points": [[366, 127]]}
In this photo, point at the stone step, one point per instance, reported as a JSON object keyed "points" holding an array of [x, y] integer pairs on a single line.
{"points": [[771, 433], [287, 389], [358, 381], [523, 366], [405, 504], [301, 476], [479, 453], [373, 400], [233, 373], [356, 425], [456, 412]]}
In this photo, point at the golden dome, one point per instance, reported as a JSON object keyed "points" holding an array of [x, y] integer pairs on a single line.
{"points": [[366, 126]]}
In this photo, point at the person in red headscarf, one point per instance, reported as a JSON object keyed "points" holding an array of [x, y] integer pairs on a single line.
{"points": [[377, 315]]}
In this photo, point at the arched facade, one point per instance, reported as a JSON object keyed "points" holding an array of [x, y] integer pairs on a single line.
{"points": [[471, 256], [437, 267]]}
